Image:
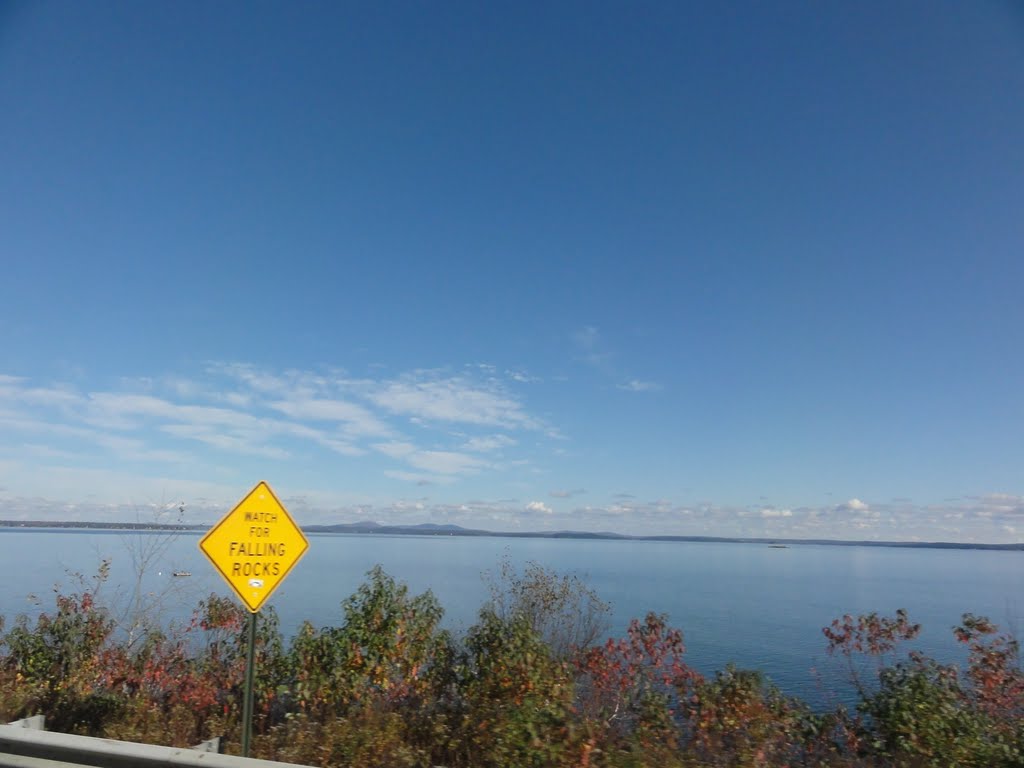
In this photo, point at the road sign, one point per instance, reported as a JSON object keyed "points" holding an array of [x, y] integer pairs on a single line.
{"points": [[255, 545]]}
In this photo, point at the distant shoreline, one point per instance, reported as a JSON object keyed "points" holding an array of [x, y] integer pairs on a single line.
{"points": [[429, 529]]}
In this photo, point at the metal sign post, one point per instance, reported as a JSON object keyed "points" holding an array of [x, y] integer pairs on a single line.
{"points": [[247, 693], [254, 546]]}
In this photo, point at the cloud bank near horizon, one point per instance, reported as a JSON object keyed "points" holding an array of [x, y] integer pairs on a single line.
{"points": [[996, 518]]}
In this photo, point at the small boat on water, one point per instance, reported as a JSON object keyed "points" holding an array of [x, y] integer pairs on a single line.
{"points": [[779, 546], [182, 573]]}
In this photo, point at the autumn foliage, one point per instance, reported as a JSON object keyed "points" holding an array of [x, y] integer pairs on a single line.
{"points": [[530, 684]]}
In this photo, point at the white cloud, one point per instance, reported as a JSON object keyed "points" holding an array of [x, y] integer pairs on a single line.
{"points": [[771, 512], [539, 506], [396, 450], [445, 462], [45, 452], [256, 379], [356, 419], [1001, 504], [417, 477], [853, 505], [234, 399], [453, 399], [335, 444], [123, 410], [635, 385], [136, 450], [51, 397], [223, 428], [488, 443], [122, 447], [225, 442], [522, 377]]}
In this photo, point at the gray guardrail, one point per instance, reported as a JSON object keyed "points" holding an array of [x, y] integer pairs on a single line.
{"points": [[23, 744]]}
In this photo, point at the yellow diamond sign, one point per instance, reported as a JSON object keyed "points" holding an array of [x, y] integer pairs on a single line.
{"points": [[255, 545]]}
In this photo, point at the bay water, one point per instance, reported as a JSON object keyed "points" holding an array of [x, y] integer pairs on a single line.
{"points": [[750, 604]]}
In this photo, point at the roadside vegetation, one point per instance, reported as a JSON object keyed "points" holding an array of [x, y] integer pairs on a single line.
{"points": [[532, 683]]}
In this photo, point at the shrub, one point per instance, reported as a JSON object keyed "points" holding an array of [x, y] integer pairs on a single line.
{"points": [[923, 713], [55, 662], [739, 719], [366, 738], [385, 652], [515, 697], [562, 609]]}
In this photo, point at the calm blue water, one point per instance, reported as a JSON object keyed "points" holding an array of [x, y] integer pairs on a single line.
{"points": [[759, 607]]}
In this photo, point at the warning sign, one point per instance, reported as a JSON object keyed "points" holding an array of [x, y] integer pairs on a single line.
{"points": [[255, 545]]}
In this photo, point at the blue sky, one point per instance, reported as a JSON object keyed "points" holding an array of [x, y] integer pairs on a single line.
{"points": [[735, 269]]}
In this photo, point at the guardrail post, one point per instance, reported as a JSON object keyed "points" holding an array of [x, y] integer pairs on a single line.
{"points": [[210, 745], [35, 723]]}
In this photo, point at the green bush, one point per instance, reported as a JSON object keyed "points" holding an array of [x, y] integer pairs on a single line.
{"points": [[515, 696], [388, 650]]}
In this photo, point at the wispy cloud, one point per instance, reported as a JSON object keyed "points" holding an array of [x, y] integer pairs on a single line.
{"points": [[417, 478], [240, 410], [230, 443], [522, 377], [355, 419], [445, 462], [635, 385], [429, 397], [590, 348], [123, 448], [561, 494], [395, 449], [489, 443]]}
